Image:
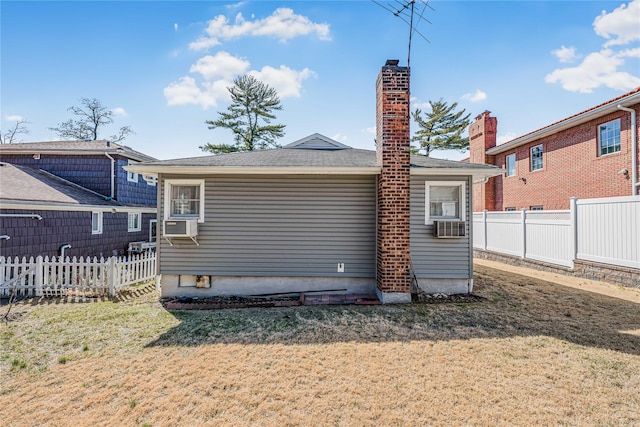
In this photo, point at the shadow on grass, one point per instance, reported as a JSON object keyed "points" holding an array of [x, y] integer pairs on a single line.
{"points": [[515, 306]]}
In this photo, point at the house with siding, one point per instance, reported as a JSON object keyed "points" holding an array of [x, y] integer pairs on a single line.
{"points": [[79, 195], [592, 154], [319, 216]]}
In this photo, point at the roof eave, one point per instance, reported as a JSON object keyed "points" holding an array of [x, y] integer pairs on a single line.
{"points": [[123, 153], [52, 206], [476, 173], [250, 170], [565, 124]]}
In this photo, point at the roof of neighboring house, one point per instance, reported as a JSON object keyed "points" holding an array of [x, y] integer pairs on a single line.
{"points": [[74, 148], [626, 100], [29, 187], [315, 154]]}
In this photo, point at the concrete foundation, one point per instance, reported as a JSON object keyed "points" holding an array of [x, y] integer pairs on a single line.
{"points": [[393, 297], [446, 286]]}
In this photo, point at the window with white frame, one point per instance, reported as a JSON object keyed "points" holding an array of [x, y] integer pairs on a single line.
{"points": [[609, 138], [444, 201], [184, 199], [536, 208], [510, 209], [151, 180], [96, 222], [536, 158], [132, 176], [153, 229], [134, 221], [511, 164]]}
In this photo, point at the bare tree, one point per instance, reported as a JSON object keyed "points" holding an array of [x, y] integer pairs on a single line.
{"points": [[92, 116], [11, 136]]}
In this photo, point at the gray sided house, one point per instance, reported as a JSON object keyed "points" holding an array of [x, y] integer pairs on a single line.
{"points": [[319, 216], [77, 193]]}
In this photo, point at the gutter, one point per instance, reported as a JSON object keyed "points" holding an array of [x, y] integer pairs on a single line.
{"points": [[634, 149], [113, 173]]}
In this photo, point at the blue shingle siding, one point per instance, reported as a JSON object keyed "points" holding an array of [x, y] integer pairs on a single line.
{"points": [[92, 172], [32, 237], [139, 192]]}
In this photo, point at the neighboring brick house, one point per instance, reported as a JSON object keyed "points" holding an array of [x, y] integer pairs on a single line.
{"points": [[82, 193], [319, 216], [591, 154]]}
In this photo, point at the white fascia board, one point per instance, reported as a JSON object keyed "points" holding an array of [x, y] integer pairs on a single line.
{"points": [[244, 170], [41, 206], [476, 173], [565, 124]]}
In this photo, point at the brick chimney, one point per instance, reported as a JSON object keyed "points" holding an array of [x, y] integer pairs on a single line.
{"points": [[393, 155], [482, 136]]}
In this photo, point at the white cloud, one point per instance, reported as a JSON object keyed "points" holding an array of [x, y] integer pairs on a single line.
{"points": [[186, 91], [339, 137], [565, 54], [119, 111], [14, 118], [282, 24], [175, 26], [622, 26], [477, 96], [236, 5], [221, 65], [501, 139], [371, 130], [287, 82], [416, 103], [597, 69]]}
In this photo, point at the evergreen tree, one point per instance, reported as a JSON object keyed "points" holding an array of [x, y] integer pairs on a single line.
{"points": [[440, 129], [249, 117]]}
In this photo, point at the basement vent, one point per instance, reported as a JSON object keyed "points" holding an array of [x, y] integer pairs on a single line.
{"points": [[449, 229]]}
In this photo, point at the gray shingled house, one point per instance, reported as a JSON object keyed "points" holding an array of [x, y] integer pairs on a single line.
{"points": [[319, 216]]}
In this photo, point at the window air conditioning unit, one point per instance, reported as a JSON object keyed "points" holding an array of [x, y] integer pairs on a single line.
{"points": [[180, 228], [449, 229]]}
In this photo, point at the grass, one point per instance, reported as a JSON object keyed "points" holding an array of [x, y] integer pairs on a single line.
{"points": [[534, 353]]}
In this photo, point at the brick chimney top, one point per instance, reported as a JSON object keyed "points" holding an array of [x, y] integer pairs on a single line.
{"points": [[485, 113], [392, 63]]}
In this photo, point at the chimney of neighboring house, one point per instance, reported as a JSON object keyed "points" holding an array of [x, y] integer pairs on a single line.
{"points": [[482, 136], [393, 155]]}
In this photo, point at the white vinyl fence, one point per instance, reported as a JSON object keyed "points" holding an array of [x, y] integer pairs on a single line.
{"points": [[601, 230], [58, 276]]}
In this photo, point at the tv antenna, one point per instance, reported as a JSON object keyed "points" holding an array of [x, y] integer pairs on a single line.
{"points": [[406, 10]]}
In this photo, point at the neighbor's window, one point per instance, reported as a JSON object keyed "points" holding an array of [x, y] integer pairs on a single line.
{"points": [[151, 180], [536, 158], [96, 222], [184, 199], [536, 208], [153, 230], [609, 138], [131, 176], [444, 200], [511, 164], [510, 209], [134, 221]]}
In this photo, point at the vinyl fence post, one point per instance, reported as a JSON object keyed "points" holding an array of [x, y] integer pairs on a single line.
{"points": [[573, 244], [112, 265], [523, 223], [39, 275], [484, 229]]}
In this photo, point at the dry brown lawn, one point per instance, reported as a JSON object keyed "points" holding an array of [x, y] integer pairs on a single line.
{"points": [[540, 350]]}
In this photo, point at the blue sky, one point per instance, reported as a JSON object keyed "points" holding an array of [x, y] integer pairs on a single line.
{"points": [[163, 66]]}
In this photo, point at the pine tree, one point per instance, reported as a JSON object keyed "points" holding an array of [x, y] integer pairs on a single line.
{"points": [[440, 129]]}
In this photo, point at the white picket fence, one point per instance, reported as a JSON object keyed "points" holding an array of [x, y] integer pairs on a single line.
{"points": [[603, 230], [59, 277]]}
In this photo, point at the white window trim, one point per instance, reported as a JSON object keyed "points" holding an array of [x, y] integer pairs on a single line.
{"points": [[531, 158], [131, 176], [153, 223], [167, 195], [506, 165], [463, 200], [100, 222], [600, 153], [139, 227]]}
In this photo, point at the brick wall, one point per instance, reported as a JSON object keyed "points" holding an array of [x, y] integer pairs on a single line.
{"points": [[393, 154], [482, 136], [32, 237]]}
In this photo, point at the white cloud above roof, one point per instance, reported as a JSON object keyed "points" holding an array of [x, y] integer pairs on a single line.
{"points": [[119, 111], [221, 65], [283, 24], [477, 96], [604, 68], [287, 82], [14, 118]]}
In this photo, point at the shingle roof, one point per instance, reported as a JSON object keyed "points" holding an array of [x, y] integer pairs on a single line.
{"points": [[21, 183], [75, 147]]}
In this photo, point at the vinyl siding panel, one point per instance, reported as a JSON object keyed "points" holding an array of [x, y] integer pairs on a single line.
{"points": [[280, 226], [437, 258]]}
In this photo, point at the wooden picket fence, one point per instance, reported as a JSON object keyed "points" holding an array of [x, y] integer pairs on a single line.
{"points": [[72, 276]]}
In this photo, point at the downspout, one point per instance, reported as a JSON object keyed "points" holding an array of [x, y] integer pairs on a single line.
{"points": [[113, 173], [634, 150], [63, 248]]}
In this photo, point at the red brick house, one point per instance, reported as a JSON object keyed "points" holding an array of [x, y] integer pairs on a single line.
{"points": [[588, 155]]}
